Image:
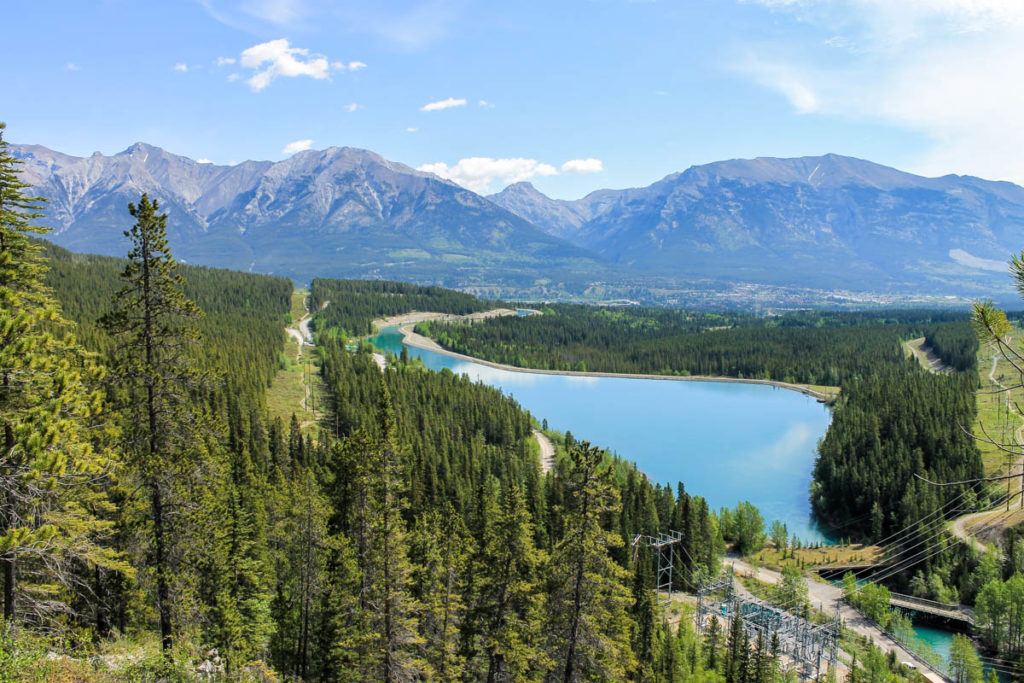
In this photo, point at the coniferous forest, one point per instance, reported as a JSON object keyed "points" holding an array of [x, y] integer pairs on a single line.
{"points": [[156, 524], [892, 418]]}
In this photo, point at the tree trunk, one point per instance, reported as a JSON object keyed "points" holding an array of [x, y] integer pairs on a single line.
{"points": [[7, 516], [163, 593]]}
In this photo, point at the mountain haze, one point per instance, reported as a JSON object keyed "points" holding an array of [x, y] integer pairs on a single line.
{"points": [[337, 212]]}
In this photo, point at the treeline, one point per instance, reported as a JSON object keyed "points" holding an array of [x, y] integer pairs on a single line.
{"points": [[810, 347], [893, 419], [887, 428], [355, 304], [243, 314]]}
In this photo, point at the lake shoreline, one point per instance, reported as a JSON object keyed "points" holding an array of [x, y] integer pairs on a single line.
{"points": [[412, 338]]}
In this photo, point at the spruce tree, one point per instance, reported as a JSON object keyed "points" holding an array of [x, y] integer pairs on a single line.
{"points": [[505, 626], [588, 609], [441, 548], [154, 325], [49, 419], [390, 608], [711, 643]]}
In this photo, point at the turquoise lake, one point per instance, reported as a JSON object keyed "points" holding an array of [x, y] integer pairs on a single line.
{"points": [[725, 441]]}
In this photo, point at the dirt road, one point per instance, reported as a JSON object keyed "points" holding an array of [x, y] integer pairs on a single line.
{"points": [[547, 451]]}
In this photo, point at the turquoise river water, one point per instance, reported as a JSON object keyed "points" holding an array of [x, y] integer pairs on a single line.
{"points": [[727, 441]]}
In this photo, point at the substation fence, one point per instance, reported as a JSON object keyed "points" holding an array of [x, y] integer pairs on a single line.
{"points": [[813, 646]]}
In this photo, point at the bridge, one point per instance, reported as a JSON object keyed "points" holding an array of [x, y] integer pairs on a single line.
{"points": [[937, 609]]}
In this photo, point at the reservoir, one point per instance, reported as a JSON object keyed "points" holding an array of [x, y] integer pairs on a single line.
{"points": [[726, 442]]}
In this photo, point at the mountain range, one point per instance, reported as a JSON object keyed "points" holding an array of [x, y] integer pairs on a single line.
{"points": [[827, 222], [336, 212]]}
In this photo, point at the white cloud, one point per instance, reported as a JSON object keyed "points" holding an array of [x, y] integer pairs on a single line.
{"points": [[277, 58], [233, 77], [352, 66], [590, 165], [352, 106], [296, 146], [485, 104], [71, 66], [477, 173], [447, 103], [181, 66], [785, 79], [204, 161], [411, 129], [481, 173], [945, 69], [226, 61]]}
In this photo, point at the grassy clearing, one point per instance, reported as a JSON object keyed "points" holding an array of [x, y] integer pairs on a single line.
{"points": [[298, 303], [924, 355], [856, 553], [287, 393], [1001, 422], [832, 393]]}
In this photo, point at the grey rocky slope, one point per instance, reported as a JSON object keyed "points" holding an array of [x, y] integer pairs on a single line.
{"points": [[336, 212], [827, 221]]}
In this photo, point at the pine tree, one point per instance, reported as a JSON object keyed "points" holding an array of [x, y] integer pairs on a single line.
{"points": [[243, 626], [390, 608], [504, 631], [154, 324], [643, 609], [734, 646], [711, 643], [441, 548], [49, 419], [588, 609]]}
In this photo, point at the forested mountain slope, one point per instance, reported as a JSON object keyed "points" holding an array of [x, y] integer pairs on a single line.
{"points": [[241, 325]]}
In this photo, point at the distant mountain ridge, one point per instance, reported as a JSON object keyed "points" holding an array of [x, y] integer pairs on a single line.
{"points": [[828, 221], [335, 212]]}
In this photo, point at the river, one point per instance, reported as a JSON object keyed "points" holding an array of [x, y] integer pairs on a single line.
{"points": [[726, 441]]}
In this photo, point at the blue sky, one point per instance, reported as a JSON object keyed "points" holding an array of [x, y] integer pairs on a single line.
{"points": [[573, 95]]}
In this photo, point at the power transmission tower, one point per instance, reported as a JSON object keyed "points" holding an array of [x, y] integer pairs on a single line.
{"points": [[663, 545]]}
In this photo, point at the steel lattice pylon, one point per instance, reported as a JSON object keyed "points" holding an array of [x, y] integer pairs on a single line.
{"points": [[663, 545]]}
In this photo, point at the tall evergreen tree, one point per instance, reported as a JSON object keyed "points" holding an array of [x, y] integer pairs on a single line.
{"points": [[49, 419], [504, 629], [589, 604], [154, 324], [390, 608], [441, 548]]}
